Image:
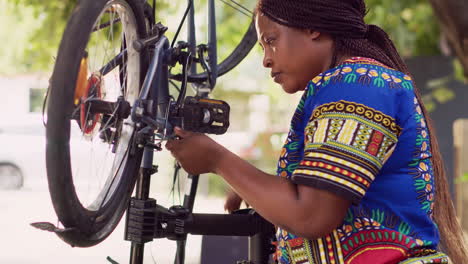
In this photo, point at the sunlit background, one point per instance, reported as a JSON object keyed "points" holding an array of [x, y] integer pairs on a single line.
{"points": [[30, 31]]}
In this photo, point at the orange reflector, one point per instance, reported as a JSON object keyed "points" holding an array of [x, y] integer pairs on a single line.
{"points": [[211, 101], [82, 80]]}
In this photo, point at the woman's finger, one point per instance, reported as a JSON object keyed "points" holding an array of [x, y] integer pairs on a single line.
{"points": [[181, 133], [173, 145], [169, 145]]}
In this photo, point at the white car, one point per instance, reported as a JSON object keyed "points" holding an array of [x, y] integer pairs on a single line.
{"points": [[23, 157], [22, 152]]}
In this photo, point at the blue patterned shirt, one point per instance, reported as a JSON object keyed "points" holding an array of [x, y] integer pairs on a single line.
{"points": [[359, 132]]}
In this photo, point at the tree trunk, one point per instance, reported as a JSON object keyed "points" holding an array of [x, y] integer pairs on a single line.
{"points": [[453, 18]]}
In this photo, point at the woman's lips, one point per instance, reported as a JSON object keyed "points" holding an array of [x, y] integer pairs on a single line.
{"points": [[276, 76]]}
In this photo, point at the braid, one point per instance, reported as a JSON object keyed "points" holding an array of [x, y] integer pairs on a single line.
{"points": [[314, 14], [377, 45], [344, 21], [361, 48]]}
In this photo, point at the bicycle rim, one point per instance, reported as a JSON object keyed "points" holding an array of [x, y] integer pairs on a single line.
{"points": [[91, 164]]}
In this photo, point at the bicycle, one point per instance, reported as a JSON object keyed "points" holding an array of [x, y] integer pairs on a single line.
{"points": [[119, 106]]}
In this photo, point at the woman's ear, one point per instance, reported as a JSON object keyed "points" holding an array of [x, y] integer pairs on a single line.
{"points": [[314, 35]]}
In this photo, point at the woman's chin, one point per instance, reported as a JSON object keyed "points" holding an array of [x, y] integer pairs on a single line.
{"points": [[290, 89], [289, 92]]}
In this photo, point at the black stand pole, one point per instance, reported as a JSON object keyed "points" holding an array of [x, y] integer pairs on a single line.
{"points": [[260, 248], [142, 193], [189, 200]]}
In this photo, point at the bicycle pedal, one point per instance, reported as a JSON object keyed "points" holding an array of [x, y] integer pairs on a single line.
{"points": [[46, 226]]}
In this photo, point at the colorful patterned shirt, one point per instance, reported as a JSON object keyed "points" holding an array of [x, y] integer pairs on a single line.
{"points": [[359, 132]]}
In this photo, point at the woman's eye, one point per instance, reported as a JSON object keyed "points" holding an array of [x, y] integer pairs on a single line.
{"points": [[269, 41], [261, 47]]}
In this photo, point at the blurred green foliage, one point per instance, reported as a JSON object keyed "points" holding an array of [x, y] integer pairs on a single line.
{"points": [[217, 186], [44, 21], [34, 29], [36, 99], [438, 92], [463, 178], [411, 25], [39, 26]]}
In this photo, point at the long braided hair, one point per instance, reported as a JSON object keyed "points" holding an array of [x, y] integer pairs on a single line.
{"points": [[344, 21]]}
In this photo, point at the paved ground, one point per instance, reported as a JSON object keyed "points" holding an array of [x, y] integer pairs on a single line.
{"points": [[22, 244]]}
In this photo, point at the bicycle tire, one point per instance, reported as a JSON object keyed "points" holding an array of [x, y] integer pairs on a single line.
{"points": [[85, 226]]}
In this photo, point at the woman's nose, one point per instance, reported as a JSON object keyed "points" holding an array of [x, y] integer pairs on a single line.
{"points": [[267, 62]]}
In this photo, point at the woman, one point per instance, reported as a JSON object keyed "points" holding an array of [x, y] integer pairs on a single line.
{"points": [[361, 177]]}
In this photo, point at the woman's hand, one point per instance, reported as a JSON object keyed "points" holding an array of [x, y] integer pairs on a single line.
{"points": [[196, 153], [233, 201]]}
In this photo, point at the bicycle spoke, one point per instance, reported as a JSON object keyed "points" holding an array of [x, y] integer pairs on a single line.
{"points": [[102, 169], [124, 81], [123, 69], [107, 124], [119, 60], [238, 7], [102, 158], [109, 38], [113, 63], [104, 25], [113, 180], [86, 119]]}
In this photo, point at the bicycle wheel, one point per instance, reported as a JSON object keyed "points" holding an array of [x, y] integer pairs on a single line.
{"points": [[236, 35], [91, 164], [232, 60]]}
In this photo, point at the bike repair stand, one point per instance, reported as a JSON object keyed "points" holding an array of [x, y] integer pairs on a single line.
{"points": [[146, 220]]}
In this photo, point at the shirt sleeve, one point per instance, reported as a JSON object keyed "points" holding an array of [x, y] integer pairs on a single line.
{"points": [[346, 145]]}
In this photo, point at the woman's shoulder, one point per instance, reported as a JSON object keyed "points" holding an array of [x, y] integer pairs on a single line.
{"points": [[364, 72], [362, 81]]}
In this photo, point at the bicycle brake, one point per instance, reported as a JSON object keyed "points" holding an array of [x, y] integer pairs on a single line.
{"points": [[156, 32]]}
